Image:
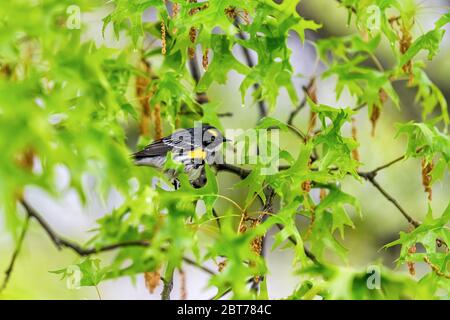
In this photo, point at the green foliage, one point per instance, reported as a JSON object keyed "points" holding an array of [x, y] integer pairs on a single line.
{"points": [[68, 102], [86, 273]]}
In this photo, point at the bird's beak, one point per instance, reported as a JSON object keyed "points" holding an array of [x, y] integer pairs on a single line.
{"points": [[226, 140]]}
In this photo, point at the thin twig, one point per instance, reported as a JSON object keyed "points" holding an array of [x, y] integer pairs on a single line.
{"points": [[306, 89], [194, 69], [216, 297], [200, 113], [357, 108], [410, 219], [370, 176], [216, 215], [353, 9], [16, 252], [296, 111], [241, 172], [390, 163]]}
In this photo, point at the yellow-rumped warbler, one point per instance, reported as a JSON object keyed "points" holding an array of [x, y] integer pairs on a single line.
{"points": [[192, 147]]}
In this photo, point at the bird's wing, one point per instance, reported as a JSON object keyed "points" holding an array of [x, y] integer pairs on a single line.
{"points": [[162, 146], [156, 148]]}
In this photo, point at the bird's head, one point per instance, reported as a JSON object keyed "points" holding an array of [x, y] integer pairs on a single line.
{"points": [[212, 137]]}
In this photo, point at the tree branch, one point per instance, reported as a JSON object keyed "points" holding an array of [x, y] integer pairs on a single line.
{"points": [[384, 166], [302, 103], [16, 252], [167, 289], [241, 172], [369, 176], [410, 219], [60, 242], [353, 9]]}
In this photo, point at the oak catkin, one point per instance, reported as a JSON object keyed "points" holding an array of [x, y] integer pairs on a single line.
{"points": [[158, 122], [374, 116], [192, 32], [205, 60], [221, 266], [143, 98], [163, 38], [427, 167], [192, 37], [411, 265], [405, 43], [175, 10], [152, 279], [306, 185], [323, 194]]}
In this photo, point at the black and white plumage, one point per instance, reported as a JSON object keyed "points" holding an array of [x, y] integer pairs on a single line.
{"points": [[192, 147]]}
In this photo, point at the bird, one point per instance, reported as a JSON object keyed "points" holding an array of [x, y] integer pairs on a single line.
{"points": [[192, 147]]}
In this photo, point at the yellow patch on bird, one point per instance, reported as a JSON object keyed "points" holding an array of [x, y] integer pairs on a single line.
{"points": [[198, 153], [213, 132]]}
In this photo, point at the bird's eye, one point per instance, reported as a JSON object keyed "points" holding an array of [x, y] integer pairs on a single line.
{"points": [[213, 138]]}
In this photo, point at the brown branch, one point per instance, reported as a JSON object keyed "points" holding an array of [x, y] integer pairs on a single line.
{"points": [[353, 9], [296, 111], [194, 69], [370, 176], [361, 106], [241, 172], [16, 252], [302, 104], [411, 220], [390, 163], [200, 113], [60, 242], [217, 217], [216, 297]]}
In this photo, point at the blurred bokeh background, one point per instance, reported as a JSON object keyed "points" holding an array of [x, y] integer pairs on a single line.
{"points": [[380, 222]]}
